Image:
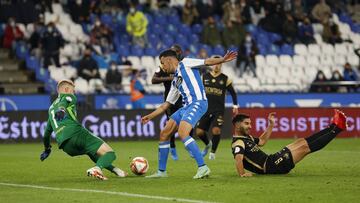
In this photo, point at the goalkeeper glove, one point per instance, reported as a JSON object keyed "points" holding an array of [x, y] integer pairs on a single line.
{"points": [[45, 153]]}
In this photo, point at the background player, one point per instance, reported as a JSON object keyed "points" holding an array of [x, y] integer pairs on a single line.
{"points": [[187, 82], [216, 84], [74, 139], [160, 76], [249, 156]]}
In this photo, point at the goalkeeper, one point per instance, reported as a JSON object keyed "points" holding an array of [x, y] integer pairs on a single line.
{"points": [[74, 139]]}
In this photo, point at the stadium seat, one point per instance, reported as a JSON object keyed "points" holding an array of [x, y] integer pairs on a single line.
{"points": [[135, 61], [197, 28], [299, 60], [106, 19], [297, 72], [341, 49], [148, 61], [251, 28], [286, 60], [272, 60], [81, 86], [158, 29], [32, 62], [326, 60], [353, 60], [70, 72], [136, 51], [100, 60], [171, 29], [260, 61], [314, 49], [274, 37], [254, 84], [327, 49], [318, 38], [318, 28], [270, 72], [301, 49], [218, 50], [102, 73], [194, 38], [313, 60], [262, 49], [340, 60], [287, 49], [56, 74], [185, 30], [273, 50], [150, 51], [57, 9], [167, 40]]}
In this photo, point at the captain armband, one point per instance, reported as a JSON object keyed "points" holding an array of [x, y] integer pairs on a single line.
{"points": [[238, 150]]}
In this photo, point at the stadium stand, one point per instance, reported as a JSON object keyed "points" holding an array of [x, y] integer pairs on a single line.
{"points": [[281, 67]]}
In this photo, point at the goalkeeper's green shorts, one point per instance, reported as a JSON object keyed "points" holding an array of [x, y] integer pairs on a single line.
{"points": [[83, 142]]}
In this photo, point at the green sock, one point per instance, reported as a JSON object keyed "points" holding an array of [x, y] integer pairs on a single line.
{"points": [[95, 159], [105, 161]]}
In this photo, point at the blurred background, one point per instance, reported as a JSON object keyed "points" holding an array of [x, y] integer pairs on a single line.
{"points": [[291, 54]]}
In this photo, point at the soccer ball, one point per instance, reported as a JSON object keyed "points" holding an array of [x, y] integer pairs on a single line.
{"points": [[139, 165]]}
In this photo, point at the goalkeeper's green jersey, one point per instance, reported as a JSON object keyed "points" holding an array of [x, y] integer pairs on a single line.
{"points": [[65, 127]]}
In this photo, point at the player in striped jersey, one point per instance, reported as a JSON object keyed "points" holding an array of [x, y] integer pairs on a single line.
{"points": [[187, 83]]}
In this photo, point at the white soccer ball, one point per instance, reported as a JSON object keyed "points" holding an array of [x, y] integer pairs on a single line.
{"points": [[139, 165]]}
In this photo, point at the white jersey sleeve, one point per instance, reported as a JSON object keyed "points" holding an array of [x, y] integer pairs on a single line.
{"points": [[173, 95], [193, 63]]}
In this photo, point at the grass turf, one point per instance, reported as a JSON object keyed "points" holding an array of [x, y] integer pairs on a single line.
{"points": [[330, 175]]}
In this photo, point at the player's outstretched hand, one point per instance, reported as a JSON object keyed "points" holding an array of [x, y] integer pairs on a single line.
{"points": [[229, 56], [271, 118], [145, 119], [247, 174], [45, 154]]}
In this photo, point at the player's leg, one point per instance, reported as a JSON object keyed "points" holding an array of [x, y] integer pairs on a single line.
{"points": [[173, 152], [301, 147], [191, 116], [216, 131], [164, 145], [201, 132], [117, 171]]}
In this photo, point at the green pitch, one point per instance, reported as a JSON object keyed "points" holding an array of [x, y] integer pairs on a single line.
{"points": [[330, 175]]}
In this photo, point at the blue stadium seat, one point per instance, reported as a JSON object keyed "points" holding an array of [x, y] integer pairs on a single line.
{"points": [[151, 52], [106, 19], [174, 19], [233, 47], [207, 48], [263, 39], [149, 18], [218, 50], [185, 30], [262, 49], [251, 28], [274, 50], [153, 39], [32, 63], [197, 28], [194, 38], [136, 51], [181, 39], [21, 50], [287, 49], [274, 37], [100, 60], [167, 40], [160, 19], [157, 29], [171, 29], [114, 57], [123, 50], [194, 49]]}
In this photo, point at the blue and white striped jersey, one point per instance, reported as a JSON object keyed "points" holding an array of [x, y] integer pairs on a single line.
{"points": [[187, 82]]}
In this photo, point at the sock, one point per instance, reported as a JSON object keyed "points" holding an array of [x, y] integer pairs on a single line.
{"points": [[172, 141], [320, 139], [95, 158], [215, 143], [204, 138], [192, 147], [105, 161], [163, 155]]}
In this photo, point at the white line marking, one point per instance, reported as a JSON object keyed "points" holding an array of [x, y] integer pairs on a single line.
{"points": [[105, 192]]}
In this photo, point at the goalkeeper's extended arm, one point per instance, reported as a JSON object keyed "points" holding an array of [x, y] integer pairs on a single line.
{"points": [[47, 146]]}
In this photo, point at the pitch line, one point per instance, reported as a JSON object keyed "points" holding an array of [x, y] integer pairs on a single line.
{"points": [[126, 194]]}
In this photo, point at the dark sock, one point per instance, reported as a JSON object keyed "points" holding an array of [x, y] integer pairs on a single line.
{"points": [[215, 143], [95, 158], [172, 141], [106, 160], [320, 139], [204, 138]]}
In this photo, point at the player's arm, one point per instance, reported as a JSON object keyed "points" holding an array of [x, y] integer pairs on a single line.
{"points": [[231, 90], [266, 135], [238, 150], [157, 78], [229, 56], [46, 140], [172, 97]]}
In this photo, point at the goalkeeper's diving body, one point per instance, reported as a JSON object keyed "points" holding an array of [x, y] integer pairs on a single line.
{"points": [[73, 138]]}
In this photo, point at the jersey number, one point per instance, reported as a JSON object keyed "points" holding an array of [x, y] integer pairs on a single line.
{"points": [[53, 118]]}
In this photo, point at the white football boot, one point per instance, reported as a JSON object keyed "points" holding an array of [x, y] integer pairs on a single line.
{"points": [[96, 172], [202, 172], [120, 173]]}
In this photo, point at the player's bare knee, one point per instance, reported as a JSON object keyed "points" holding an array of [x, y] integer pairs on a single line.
{"points": [[216, 131], [304, 145]]}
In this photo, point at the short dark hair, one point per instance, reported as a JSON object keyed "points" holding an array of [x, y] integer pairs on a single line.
{"points": [[176, 48], [239, 118], [167, 53]]}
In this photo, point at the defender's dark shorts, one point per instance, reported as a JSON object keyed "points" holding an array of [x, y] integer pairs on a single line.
{"points": [[170, 111], [280, 163], [215, 119]]}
